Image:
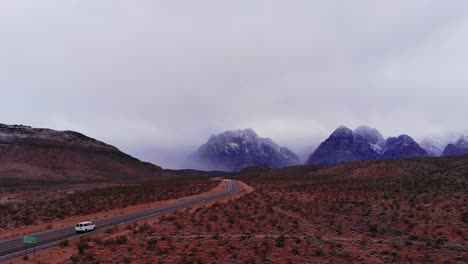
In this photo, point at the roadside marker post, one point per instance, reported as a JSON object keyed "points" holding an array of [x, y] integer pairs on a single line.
{"points": [[30, 240]]}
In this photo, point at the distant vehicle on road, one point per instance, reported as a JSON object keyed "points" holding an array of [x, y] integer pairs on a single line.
{"points": [[85, 227]]}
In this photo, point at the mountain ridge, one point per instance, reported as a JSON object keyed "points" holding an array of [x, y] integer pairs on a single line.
{"points": [[234, 150], [458, 148], [342, 146], [52, 155], [364, 143]]}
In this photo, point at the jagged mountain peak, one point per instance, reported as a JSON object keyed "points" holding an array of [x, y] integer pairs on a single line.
{"points": [[371, 135], [244, 134], [460, 147], [401, 139], [342, 131], [433, 147], [462, 141], [364, 143], [402, 146], [343, 145], [237, 149]]}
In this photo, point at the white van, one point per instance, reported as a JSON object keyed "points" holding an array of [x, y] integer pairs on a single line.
{"points": [[85, 227]]}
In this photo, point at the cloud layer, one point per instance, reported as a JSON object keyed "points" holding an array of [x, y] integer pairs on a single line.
{"points": [[156, 78]]}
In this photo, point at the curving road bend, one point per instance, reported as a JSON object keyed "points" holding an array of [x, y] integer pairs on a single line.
{"points": [[14, 247]]}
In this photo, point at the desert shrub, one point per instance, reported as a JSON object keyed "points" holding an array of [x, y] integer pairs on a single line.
{"points": [[95, 200], [122, 239], [295, 251], [108, 242], [109, 231], [280, 241], [170, 218], [373, 228], [82, 246], [64, 243], [151, 244], [188, 260], [464, 217], [97, 240], [75, 258], [85, 238]]}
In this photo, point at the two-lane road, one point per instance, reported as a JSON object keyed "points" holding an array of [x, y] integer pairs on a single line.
{"points": [[14, 247]]}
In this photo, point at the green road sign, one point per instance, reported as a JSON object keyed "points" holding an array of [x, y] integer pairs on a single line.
{"points": [[29, 240]]}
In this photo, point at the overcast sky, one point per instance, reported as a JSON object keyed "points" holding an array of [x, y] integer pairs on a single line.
{"points": [[157, 78]]}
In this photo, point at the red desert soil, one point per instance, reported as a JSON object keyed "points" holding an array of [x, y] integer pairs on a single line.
{"points": [[399, 211], [404, 211], [61, 254], [56, 204], [73, 220]]}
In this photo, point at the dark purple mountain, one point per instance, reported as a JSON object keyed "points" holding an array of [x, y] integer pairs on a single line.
{"points": [[459, 148], [402, 146], [236, 150], [342, 146], [364, 143]]}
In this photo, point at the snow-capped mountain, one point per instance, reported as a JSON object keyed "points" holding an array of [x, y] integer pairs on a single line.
{"points": [[402, 146], [46, 154], [236, 150], [342, 146], [460, 147], [364, 143]]}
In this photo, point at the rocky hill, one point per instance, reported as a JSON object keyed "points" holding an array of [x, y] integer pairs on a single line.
{"points": [[38, 154]]}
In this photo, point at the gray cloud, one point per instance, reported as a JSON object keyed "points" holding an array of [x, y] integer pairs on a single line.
{"points": [[156, 78]]}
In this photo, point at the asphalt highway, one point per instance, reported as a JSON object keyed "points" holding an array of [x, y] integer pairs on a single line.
{"points": [[14, 247]]}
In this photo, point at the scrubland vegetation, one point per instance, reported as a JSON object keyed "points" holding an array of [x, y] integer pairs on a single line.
{"points": [[329, 218], [56, 205]]}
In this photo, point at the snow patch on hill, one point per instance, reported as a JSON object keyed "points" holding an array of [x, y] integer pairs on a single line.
{"points": [[10, 134]]}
